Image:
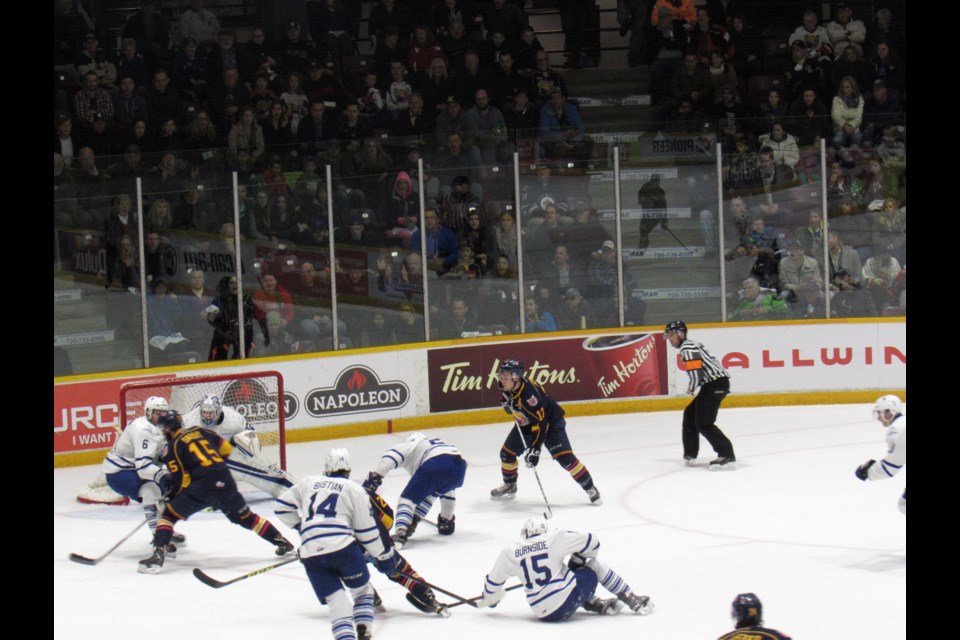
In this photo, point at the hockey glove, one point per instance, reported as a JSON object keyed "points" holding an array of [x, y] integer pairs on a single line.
{"points": [[491, 599], [387, 563], [576, 561], [164, 480], [373, 482], [532, 458], [248, 442], [864, 469]]}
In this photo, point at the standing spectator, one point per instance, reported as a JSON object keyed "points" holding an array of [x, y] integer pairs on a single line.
{"points": [[747, 614], [199, 23], [92, 58], [632, 17], [224, 316], [709, 382], [331, 22], [653, 205], [680, 10], [538, 422]]}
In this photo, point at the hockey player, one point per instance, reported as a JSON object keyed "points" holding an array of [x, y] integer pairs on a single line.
{"points": [[132, 467], [555, 589], [333, 516], [245, 463], [706, 374], [539, 421], [418, 594], [747, 613], [436, 471], [199, 478], [888, 410]]}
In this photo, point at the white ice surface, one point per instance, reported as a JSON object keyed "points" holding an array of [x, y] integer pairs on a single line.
{"points": [[825, 552]]}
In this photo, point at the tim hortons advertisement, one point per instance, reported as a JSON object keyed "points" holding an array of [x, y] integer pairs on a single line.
{"points": [[86, 415], [593, 368]]}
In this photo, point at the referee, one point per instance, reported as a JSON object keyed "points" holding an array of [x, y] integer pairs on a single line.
{"points": [[708, 374]]}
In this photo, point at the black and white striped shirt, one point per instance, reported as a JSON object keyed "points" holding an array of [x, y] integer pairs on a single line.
{"points": [[699, 364]]}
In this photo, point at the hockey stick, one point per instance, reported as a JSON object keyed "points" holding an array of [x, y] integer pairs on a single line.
{"points": [[476, 598], [461, 599], [216, 584], [549, 512], [93, 561]]}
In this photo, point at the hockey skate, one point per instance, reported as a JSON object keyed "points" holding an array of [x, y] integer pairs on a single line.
{"points": [[637, 604], [154, 563], [179, 539], [446, 527], [363, 633], [689, 461], [594, 496], [723, 464], [413, 525], [609, 607], [506, 491], [400, 536], [170, 551], [284, 546]]}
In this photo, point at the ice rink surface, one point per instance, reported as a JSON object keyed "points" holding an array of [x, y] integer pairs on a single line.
{"points": [[825, 552]]}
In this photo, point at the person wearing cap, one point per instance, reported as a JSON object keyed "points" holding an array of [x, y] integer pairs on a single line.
{"points": [[561, 128], [602, 276], [797, 270], [92, 58], [199, 23], [296, 52], [456, 204], [882, 109], [766, 264], [574, 313], [845, 31]]}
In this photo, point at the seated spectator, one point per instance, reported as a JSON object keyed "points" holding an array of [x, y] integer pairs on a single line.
{"points": [[455, 43], [255, 55], [456, 205], [314, 130], [199, 23], [507, 81], [882, 110], [168, 137], [123, 273], [574, 313], [471, 78], [377, 333], [542, 240], [808, 118], [457, 321], [491, 130], [322, 84], [721, 73], [784, 146], [92, 101], [91, 182], [459, 159], [811, 303], [602, 274], [370, 101], [731, 115], [526, 52], [92, 58], [797, 270], [811, 235], [441, 243], [883, 30], [296, 51], [359, 232], [880, 278], [692, 80], [100, 138], [389, 49], [891, 149], [561, 129], [544, 79], [758, 303], [246, 143], [846, 114], [766, 266], [279, 341], [814, 37], [503, 237], [888, 66], [190, 71], [409, 327], [163, 101], [160, 217], [850, 62], [398, 90], [227, 97], [192, 301], [373, 166], [848, 299], [536, 321], [131, 63], [888, 227], [262, 96], [682, 10], [128, 105], [846, 32], [842, 258], [423, 50], [804, 71], [477, 235], [466, 267]]}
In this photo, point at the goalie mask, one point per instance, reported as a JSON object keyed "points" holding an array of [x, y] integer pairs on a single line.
{"points": [[337, 462], [210, 410], [535, 526], [884, 404], [154, 403]]}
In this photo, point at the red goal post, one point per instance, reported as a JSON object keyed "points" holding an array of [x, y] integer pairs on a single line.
{"points": [[257, 395]]}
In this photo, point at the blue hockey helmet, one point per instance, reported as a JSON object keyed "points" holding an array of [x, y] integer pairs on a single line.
{"points": [[747, 610], [514, 367]]}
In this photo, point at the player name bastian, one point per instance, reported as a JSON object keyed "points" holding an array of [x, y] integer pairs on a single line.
{"points": [[530, 548]]}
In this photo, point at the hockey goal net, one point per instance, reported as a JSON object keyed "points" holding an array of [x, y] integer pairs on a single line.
{"points": [[257, 395]]}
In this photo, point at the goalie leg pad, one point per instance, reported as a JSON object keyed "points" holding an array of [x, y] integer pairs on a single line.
{"points": [[259, 473]]}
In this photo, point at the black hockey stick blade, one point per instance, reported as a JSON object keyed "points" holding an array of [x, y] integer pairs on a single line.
{"points": [[76, 557], [217, 584]]}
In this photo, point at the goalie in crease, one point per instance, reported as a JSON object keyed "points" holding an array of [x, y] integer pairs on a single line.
{"points": [[132, 468], [246, 464]]}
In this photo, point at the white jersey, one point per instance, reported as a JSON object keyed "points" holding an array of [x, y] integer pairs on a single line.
{"points": [[896, 457], [412, 455], [136, 449], [540, 562], [330, 513], [231, 422]]}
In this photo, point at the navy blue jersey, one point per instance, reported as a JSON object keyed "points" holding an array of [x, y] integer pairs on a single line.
{"points": [[533, 409], [754, 633], [194, 453]]}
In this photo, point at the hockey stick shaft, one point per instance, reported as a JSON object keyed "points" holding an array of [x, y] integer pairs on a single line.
{"points": [[217, 584], [93, 561], [474, 599], [461, 599], [536, 475]]}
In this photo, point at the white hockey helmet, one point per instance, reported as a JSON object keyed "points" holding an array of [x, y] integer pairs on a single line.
{"points": [[416, 437], [337, 461], [210, 409], [886, 403], [154, 403], [535, 526]]}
